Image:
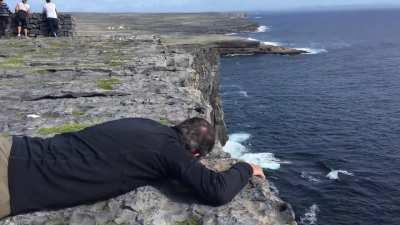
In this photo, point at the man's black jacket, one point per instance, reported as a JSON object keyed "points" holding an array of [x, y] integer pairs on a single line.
{"points": [[108, 160]]}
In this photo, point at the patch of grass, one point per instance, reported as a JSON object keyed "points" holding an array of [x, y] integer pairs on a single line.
{"points": [[46, 53], [77, 113], [17, 44], [110, 223], [164, 121], [108, 84], [189, 221], [40, 72], [115, 62], [65, 128], [59, 45], [13, 62]]}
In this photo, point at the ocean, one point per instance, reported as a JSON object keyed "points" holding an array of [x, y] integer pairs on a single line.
{"points": [[325, 125]]}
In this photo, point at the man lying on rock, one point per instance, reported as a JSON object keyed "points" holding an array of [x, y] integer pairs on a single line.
{"points": [[111, 159]]}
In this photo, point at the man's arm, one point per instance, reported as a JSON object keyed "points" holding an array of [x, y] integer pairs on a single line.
{"points": [[215, 188]]}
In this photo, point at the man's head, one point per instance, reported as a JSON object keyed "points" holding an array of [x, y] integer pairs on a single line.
{"points": [[24, 1], [48, 1], [198, 136]]}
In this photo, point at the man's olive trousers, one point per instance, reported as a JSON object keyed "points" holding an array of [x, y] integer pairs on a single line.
{"points": [[5, 149]]}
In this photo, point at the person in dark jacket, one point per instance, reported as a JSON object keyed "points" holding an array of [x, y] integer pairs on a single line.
{"points": [[111, 159], [4, 18]]}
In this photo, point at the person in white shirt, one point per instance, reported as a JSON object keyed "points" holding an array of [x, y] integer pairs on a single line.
{"points": [[49, 9], [22, 10]]}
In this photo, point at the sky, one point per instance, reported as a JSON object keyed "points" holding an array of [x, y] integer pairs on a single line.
{"points": [[205, 5]]}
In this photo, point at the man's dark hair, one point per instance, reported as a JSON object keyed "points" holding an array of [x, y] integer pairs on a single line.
{"points": [[198, 134], [48, 1]]}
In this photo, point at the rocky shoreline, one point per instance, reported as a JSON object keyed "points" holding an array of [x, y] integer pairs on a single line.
{"points": [[166, 72]]}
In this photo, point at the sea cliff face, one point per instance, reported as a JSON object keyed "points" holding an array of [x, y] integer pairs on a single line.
{"points": [[48, 86]]}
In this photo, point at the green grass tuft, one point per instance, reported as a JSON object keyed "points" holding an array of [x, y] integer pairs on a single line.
{"points": [[189, 221], [116, 62], [108, 84], [14, 62], [65, 128], [77, 113], [165, 121]]}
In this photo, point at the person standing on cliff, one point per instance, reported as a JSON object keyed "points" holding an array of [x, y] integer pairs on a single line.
{"points": [[4, 18], [49, 9], [22, 10], [111, 159]]}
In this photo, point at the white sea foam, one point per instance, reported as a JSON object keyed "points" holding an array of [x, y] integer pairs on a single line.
{"points": [[231, 34], [310, 217], [239, 137], [258, 17], [252, 39], [309, 176], [241, 54], [313, 51], [265, 160], [334, 174], [235, 147], [271, 43], [262, 29], [244, 93]]}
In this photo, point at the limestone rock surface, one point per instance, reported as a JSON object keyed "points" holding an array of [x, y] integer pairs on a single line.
{"points": [[49, 86]]}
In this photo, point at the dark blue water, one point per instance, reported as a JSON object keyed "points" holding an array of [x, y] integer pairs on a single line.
{"points": [[336, 110]]}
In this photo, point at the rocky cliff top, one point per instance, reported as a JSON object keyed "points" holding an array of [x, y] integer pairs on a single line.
{"points": [[128, 65]]}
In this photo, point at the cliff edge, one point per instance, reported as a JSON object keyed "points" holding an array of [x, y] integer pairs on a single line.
{"points": [[110, 71]]}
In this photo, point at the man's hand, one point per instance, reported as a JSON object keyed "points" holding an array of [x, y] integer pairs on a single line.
{"points": [[258, 171]]}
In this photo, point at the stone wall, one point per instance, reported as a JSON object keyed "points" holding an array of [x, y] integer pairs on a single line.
{"points": [[38, 27]]}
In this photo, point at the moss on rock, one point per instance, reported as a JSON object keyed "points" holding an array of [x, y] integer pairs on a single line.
{"points": [[165, 121], [108, 84], [189, 221], [78, 113], [13, 62], [65, 128]]}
